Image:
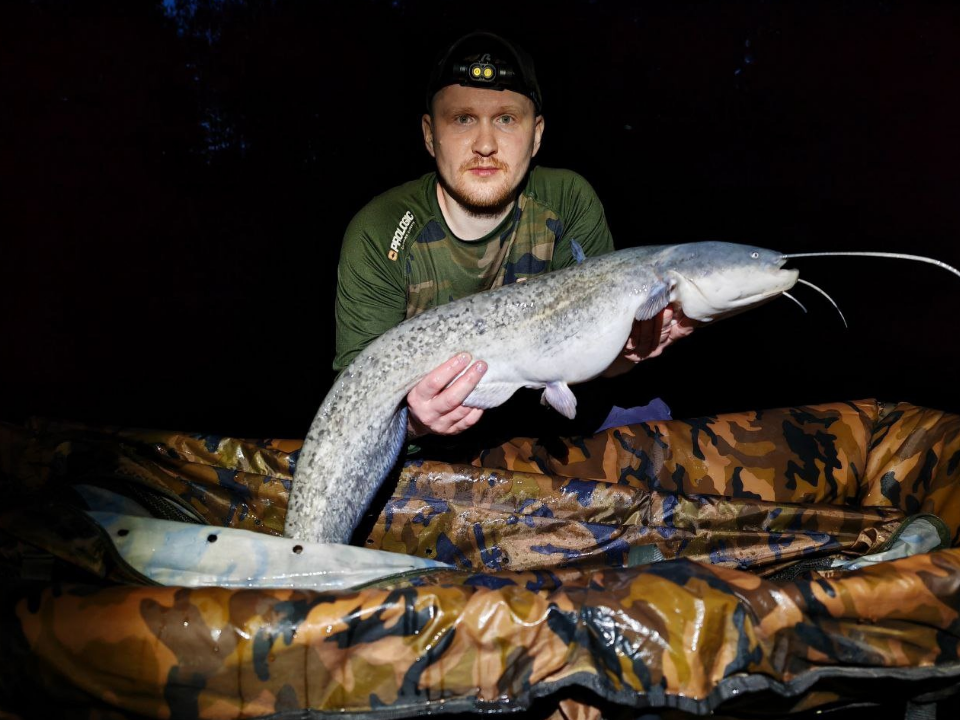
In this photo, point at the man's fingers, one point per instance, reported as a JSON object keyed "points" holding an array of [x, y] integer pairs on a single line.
{"points": [[468, 421], [454, 395], [643, 338], [435, 402], [658, 325], [437, 379], [686, 325], [455, 418], [451, 423], [649, 335]]}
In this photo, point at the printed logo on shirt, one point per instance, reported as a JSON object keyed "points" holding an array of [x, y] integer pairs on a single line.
{"points": [[400, 235]]}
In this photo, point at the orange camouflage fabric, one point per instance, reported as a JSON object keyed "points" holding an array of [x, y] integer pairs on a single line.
{"points": [[686, 566]]}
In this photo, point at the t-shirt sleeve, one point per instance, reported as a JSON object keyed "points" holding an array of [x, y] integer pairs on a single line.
{"points": [[371, 292], [583, 221]]}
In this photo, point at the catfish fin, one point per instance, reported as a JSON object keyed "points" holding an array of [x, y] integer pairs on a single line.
{"points": [[658, 297], [489, 395], [560, 397]]}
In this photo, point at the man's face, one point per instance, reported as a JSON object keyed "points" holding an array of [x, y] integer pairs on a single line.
{"points": [[483, 141]]}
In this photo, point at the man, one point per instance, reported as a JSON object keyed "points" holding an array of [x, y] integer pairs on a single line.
{"points": [[483, 219]]}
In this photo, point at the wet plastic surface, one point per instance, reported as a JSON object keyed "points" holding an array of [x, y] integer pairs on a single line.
{"points": [[734, 525]]}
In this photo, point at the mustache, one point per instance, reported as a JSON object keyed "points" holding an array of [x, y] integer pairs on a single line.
{"points": [[486, 163]]}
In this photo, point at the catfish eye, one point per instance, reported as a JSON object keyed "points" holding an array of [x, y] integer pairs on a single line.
{"points": [[754, 255]]}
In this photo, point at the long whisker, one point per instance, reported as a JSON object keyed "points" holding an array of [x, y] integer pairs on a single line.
{"points": [[788, 295], [865, 253], [810, 284]]}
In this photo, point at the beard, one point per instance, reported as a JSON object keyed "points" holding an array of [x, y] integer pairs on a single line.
{"points": [[482, 199]]}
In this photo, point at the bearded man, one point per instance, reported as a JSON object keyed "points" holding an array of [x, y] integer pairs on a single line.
{"points": [[482, 220]]}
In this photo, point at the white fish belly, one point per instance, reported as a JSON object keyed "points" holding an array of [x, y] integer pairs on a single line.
{"points": [[576, 358]]}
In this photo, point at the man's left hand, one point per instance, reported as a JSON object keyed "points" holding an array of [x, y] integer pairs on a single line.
{"points": [[649, 338]]}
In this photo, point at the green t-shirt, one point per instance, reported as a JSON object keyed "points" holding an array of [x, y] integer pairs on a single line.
{"points": [[399, 258]]}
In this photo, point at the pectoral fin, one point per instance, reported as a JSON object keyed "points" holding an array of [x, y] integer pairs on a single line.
{"points": [[488, 395], [658, 297], [560, 397]]}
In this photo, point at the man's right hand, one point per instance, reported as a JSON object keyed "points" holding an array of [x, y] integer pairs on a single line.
{"points": [[437, 409]]}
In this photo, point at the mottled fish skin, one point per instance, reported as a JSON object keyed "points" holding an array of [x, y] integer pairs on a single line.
{"points": [[557, 329]]}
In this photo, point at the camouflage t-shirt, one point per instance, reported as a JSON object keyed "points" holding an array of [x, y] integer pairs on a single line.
{"points": [[399, 258]]}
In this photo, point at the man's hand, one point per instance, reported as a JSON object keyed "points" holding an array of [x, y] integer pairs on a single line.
{"points": [[437, 409], [650, 337]]}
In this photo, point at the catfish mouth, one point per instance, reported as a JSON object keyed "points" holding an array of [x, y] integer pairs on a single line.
{"points": [[710, 299]]}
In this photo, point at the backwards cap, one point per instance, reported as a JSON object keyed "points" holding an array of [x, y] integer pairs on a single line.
{"points": [[488, 61]]}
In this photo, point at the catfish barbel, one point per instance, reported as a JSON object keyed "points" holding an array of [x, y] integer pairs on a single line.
{"points": [[552, 331]]}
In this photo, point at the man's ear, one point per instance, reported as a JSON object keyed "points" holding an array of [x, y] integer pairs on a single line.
{"points": [[426, 122], [537, 133]]}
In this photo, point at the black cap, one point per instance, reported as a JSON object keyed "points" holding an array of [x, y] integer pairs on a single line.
{"points": [[485, 60]]}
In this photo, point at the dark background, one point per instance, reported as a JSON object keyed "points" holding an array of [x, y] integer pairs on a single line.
{"points": [[177, 176]]}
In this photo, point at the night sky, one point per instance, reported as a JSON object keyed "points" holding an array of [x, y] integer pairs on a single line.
{"points": [[177, 177]]}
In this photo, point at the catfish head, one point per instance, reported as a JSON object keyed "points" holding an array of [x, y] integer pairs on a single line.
{"points": [[712, 280]]}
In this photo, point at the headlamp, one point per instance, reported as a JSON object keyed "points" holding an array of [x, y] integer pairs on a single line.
{"points": [[484, 60], [485, 72]]}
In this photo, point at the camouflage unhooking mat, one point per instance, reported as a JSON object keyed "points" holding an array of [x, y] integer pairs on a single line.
{"points": [[755, 564]]}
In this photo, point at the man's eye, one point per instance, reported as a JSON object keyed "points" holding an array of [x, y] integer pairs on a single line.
{"points": [[507, 119], [462, 119]]}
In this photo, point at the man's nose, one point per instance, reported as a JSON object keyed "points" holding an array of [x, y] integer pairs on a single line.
{"points": [[485, 142]]}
